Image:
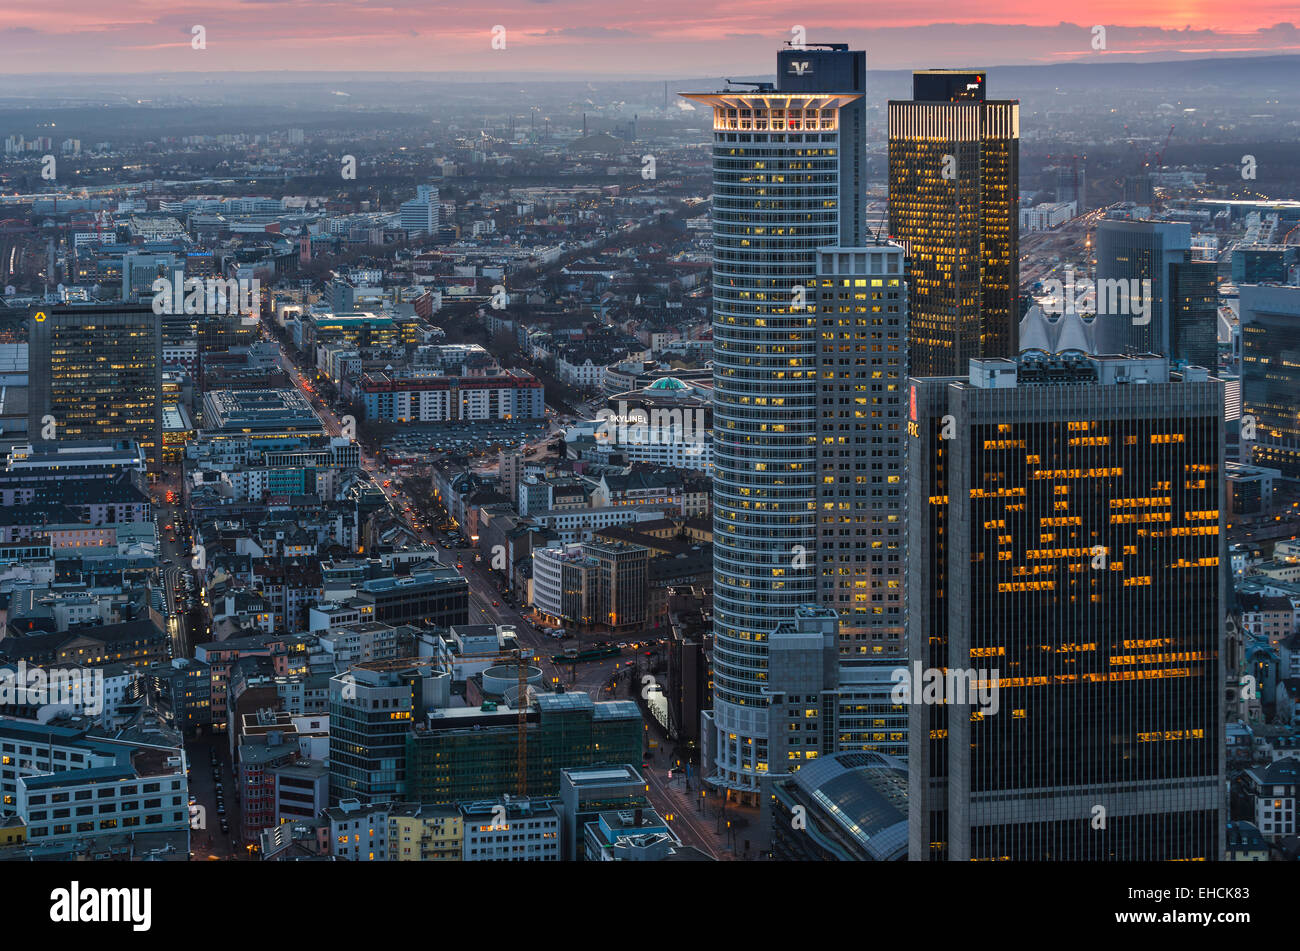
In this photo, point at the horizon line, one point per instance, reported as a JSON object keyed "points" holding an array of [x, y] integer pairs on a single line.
{"points": [[1085, 60]]}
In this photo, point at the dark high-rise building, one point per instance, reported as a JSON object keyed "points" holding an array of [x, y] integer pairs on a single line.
{"points": [[1263, 263], [1138, 188], [1194, 313], [96, 373], [1270, 373], [954, 195], [1180, 318], [1067, 526]]}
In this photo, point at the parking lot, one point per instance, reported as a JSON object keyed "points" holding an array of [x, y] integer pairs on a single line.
{"points": [[417, 443]]}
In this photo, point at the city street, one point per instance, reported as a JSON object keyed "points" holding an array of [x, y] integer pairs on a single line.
{"points": [[698, 820], [174, 561], [590, 677], [209, 841]]}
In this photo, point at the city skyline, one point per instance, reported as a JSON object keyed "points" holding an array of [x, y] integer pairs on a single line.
{"points": [[867, 452]]}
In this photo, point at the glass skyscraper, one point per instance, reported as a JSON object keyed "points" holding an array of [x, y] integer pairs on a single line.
{"points": [[809, 329], [1181, 323], [96, 373], [787, 158], [1068, 514], [1270, 371], [954, 196]]}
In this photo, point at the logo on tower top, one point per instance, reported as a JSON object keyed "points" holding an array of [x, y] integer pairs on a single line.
{"points": [[800, 68]]}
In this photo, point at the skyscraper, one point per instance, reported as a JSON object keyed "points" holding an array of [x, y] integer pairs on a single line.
{"points": [[1068, 543], [1194, 313], [787, 161], [1182, 322], [96, 373], [810, 323], [954, 195], [1072, 185], [862, 315], [1270, 373]]}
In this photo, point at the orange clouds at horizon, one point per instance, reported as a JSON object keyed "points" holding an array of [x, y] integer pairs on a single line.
{"points": [[666, 37]]}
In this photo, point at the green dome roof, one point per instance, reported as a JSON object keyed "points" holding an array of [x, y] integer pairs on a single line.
{"points": [[667, 383]]}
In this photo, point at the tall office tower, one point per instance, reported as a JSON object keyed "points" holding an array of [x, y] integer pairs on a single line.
{"points": [[954, 196], [862, 313], [1068, 540], [1270, 373], [787, 160], [1194, 313], [1182, 322], [97, 374]]}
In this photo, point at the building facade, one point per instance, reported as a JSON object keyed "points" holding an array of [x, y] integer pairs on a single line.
{"points": [[954, 199], [787, 165], [1270, 370], [1066, 590], [862, 313], [99, 374]]}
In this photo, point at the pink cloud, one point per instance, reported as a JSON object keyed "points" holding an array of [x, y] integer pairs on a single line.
{"points": [[667, 37]]}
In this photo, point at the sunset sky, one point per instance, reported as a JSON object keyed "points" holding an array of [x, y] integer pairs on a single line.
{"points": [[644, 38]]}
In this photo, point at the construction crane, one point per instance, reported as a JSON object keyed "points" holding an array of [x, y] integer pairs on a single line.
{"points": [[1161, 153], [520, 656]]}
